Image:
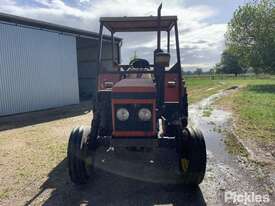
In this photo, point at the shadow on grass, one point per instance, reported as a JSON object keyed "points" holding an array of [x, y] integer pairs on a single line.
{"points": [[32, 118], [110, 189], [262, 88]]}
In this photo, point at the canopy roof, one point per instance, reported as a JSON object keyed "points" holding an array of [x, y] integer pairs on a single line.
{"points": [[134, 24]]}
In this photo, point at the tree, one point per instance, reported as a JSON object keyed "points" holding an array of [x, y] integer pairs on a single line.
{"points": [[187, 72], [198, 71], [229, 64], [251, 35]]}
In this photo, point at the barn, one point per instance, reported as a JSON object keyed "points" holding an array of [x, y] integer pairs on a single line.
{"points": [[45, 65]]}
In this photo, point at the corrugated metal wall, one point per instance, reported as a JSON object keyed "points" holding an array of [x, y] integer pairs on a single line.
{"points": [[87, 50], [38, 70]]}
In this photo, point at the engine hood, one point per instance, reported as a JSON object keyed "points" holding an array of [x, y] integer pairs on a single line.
{"points": [[134, 86]]}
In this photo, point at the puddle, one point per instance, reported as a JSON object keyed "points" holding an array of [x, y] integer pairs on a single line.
{"points": [[213, 123]]}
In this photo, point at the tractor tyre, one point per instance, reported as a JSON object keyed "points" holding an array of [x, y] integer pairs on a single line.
{"points": [[78, 164], [93, 141], [192, 156]]}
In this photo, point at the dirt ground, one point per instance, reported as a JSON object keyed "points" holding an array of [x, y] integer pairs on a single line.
{"points": [[33, 150], [33, 165]]}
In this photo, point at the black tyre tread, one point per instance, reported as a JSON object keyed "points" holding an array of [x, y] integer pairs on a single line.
{"points": [[70, 151], [76, 155], [80, 164], [197, 158], [93, 142]]}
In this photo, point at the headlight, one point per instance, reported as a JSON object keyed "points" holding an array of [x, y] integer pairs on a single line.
{"points": [[122, 114], [144, 114]]}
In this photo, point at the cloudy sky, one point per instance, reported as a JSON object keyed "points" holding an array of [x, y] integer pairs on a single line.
{"points": [[202, 23]]}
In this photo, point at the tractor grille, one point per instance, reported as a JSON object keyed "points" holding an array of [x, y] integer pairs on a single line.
{"points": [[133, 123]]}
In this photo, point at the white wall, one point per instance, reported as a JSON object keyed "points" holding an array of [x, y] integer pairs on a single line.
{"points": [[38, 70]]}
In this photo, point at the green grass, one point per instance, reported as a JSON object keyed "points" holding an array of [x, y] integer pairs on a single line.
{"points": [[233, 146], [4, 193], [199, 88], [255, 105], [207, 112]]}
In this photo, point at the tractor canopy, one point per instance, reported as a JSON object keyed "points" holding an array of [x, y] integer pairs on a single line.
{"points": [[157, 24], [138, 24]]}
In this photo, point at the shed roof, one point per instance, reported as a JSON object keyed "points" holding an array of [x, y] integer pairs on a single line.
{"points": [[50, 26]]}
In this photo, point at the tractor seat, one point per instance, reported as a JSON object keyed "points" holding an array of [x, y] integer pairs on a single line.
{"points": [[139, 65]]}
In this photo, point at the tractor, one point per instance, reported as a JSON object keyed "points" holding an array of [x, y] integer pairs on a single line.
{"points": [[140, 105]]}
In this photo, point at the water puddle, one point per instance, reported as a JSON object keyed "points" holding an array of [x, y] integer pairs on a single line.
{"points": [[213, 123]]}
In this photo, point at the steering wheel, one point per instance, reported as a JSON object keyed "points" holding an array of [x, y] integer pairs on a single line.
{"points": [[139, 64]]}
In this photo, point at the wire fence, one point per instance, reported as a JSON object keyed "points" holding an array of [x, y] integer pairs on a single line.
{"points": [[229, 76]]}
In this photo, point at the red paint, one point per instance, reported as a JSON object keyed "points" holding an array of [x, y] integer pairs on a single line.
{"points": [[135, 85], [134, 101], [136, 90], [171, 94]]}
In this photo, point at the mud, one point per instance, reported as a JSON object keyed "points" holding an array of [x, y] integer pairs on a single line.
{"points": [[227, 171]]}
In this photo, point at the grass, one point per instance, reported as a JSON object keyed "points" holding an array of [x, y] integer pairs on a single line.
{"points": [[199, 88], [253, 106], [4, 193], [233, 146], [253, 109], [257, 104], [207, 112]]}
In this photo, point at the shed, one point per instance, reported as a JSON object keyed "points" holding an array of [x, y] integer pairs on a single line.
{"points": [[45, 65]]}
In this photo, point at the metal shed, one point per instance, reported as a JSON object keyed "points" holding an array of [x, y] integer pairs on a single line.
{"points": [[44, 65]]}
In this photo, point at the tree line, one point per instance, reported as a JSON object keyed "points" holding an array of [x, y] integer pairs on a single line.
{"points": [[250, 40]]}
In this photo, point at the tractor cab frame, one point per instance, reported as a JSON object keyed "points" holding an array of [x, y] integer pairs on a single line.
{"points": [[130, 110], [171, 96]]}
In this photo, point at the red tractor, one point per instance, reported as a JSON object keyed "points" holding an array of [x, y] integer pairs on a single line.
{"points": [[140, 105]]}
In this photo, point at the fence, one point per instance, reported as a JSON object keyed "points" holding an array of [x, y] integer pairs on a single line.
{"points": [[228, 76]]}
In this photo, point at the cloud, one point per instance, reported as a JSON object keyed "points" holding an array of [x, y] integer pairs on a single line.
{"points": [[194, 66], [84, 1], [201, 42]]}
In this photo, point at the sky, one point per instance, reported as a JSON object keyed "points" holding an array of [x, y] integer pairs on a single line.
{"points": [[202, 23]]}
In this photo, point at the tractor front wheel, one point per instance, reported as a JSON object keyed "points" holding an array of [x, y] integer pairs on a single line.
{"points": [[192, 156], [78, 159]]}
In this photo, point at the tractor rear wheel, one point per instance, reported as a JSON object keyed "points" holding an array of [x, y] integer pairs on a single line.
{"points": [[78, 162], [192, 156]]}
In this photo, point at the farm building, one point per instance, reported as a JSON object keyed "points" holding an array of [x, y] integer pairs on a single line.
{"points": [[44, 65]]}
